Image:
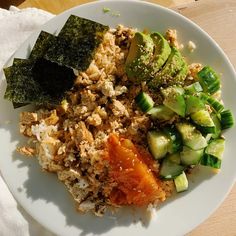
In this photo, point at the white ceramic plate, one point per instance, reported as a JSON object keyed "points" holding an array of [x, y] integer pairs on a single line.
{"points": [[48, 201]]}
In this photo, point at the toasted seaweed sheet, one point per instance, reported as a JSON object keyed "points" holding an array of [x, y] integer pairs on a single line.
{"points": [[76, 43], [18, 61], [12, 74], [39, 82], [21, 87], [54, 79], [18, 105], [44, 41], [44, 78]]}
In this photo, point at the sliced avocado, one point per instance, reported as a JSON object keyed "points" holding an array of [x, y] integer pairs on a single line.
{"points": [[139, 57], [181, 75], [171, 68], [174, 99], [162, 51]]}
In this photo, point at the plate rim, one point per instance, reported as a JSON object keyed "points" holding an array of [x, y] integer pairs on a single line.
{"points": [[220, 50]]}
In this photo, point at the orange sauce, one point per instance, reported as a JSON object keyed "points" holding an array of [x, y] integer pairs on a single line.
{"points": [[131, 169]]}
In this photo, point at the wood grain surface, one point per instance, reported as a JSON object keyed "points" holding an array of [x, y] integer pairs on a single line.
{"points": [[218, 18], [57, 6]]}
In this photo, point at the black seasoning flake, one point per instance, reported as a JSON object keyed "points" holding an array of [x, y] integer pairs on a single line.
{"points": [[76, 43], [43, 43]]}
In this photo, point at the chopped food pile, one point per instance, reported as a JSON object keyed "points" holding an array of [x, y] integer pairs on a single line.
{"points": [[120, 116]]}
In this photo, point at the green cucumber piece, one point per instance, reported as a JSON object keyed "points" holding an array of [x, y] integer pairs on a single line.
{"points": [[191, 136], [214, 153], [161, 113], [175, 139], [193, 88], [208, 137], [174, 99], [217, 126], [215, 104], [144, 101], [216, 148], [226, 119], [204, 121], [190, 157], [172, 89], [175, 157], [209, 80], [211, 161], [170, 170], [158, 143], [193, 104], [181, 182]]}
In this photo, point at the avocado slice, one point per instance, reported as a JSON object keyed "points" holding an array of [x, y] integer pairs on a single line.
{"points": [[181, 75], [139, 57], [171, 68], [162, 51]]}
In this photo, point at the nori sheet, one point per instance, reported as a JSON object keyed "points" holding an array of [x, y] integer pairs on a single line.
{"points": [[38, 82], [76, 43], [21, 87], [44, 41], [47, 74], [18, 61], [54, 79]]}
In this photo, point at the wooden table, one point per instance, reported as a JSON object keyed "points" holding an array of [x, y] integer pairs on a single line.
{"points": [[218, 18]]}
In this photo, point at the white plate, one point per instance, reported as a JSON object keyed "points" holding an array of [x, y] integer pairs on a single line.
{"points": [[47, 200]]}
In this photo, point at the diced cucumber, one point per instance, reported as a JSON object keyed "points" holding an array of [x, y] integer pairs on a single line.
{"points": [[161, 113], [144, 101], [216, 148], [175, 157], [190, 157], [175, 139], [193, 104], [226, 119], [217, 126], [215, 104], [158, 143], [170, 170], [191, 136], [174, 99], [166, 92], [209, 80], [209, 160], [208, 137], [213, 154], [193, 88], [181, 182], [204, 121]]}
